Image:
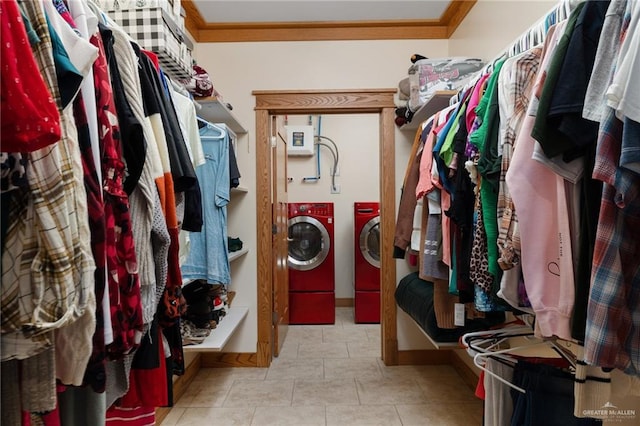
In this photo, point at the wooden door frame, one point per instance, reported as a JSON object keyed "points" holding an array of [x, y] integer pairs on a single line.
{"points": [[357, 101]]}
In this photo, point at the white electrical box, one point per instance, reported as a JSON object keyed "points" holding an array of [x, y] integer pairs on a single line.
{"points": [[300, 140]]}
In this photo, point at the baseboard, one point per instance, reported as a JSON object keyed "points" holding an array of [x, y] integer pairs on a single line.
{"points": [[161, 414], [424, 357], [468, 375], [346, 302], [229, 359], [180, 385]]}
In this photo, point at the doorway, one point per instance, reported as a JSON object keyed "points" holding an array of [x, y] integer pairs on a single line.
{"points": [[313, 102]]}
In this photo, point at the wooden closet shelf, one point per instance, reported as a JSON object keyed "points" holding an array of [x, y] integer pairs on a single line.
{"points": [[222, 333], [215, 111], [438, 101], [240, 189], [236, 254], [439, 345]]}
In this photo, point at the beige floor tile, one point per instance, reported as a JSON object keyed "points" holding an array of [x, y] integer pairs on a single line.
{"points": [[185, 400], [211, 416], [436, 414], [212, 396], [344, 316], [206, 391], [328, 375], [389, 391], [304, 333], [173, 416], [367, 327], [236, 373], [325, 392], [296, 369], [349, 334], [251, 393], [217, 388], [289, 349], [289, 416], [351, 367], [322, 350], [201, 382], [449, 388], [414, 371], [374, 334], [362, 415], [364, 349]]}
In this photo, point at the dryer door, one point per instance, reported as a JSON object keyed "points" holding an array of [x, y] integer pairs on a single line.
{"points": [[308, 243], [370, 241]]}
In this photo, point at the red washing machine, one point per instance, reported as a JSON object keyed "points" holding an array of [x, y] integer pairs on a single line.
{"points": [[367, 262], [311, 264]]}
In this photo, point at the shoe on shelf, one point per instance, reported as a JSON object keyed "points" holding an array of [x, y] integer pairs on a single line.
{"points": [[217, 303], [191, 335], [234, 244]]}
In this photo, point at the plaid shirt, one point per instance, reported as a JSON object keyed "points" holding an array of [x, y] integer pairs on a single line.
{"points": [[47, 266], [612, 336], [514, 91]]}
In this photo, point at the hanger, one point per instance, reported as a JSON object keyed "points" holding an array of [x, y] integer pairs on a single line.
{"points": [[478, 362], [222, 130], [503, 354], [487, 340]]}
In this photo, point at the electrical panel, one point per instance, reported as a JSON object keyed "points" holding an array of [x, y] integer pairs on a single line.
{"points": [[300, 141]]}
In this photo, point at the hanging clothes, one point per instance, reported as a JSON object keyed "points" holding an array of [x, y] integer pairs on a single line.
{"points": [[30, 119], [208, 258]]}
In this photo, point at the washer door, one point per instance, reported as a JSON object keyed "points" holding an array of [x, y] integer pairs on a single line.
{"points": [[370, 241], [308, 243]]}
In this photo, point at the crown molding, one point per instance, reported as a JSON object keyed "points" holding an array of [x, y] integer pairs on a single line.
{"points": [[441, 28]]}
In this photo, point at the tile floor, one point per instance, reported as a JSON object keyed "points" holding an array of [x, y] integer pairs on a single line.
{"points": [[328, 375]]}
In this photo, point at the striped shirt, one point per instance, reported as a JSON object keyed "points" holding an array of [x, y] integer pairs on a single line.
{"points": [[514, 92]]}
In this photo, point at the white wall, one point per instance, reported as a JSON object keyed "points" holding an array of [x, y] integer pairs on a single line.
{"points": [[492, 24], [357, 138], [239, 68]]}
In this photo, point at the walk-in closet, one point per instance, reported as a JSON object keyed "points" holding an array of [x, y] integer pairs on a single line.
{"points": [[322, 213]]}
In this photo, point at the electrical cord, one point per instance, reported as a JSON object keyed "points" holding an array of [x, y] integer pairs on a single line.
{"points": [[335, 163], [336, 159], [334, 145]]}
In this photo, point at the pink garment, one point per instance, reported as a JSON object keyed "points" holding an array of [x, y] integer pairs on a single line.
{"points": [[425, 185], [541, 205], [476, 95]]}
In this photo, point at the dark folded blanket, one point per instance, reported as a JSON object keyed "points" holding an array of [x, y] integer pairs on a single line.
{"points": [[415, 296]]}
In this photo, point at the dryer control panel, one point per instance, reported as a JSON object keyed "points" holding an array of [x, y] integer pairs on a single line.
{"points": [[312, 209]]}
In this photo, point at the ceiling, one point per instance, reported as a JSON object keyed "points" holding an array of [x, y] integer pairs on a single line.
{"points": [[308, 20]]}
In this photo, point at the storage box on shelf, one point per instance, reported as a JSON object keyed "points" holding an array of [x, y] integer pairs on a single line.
{"points": [[172, 7], [155, 29], [428, 76], [431, 84]]}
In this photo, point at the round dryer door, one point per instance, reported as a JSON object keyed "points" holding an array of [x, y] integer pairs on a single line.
{"points": [[370, 241], [308, 243]]}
